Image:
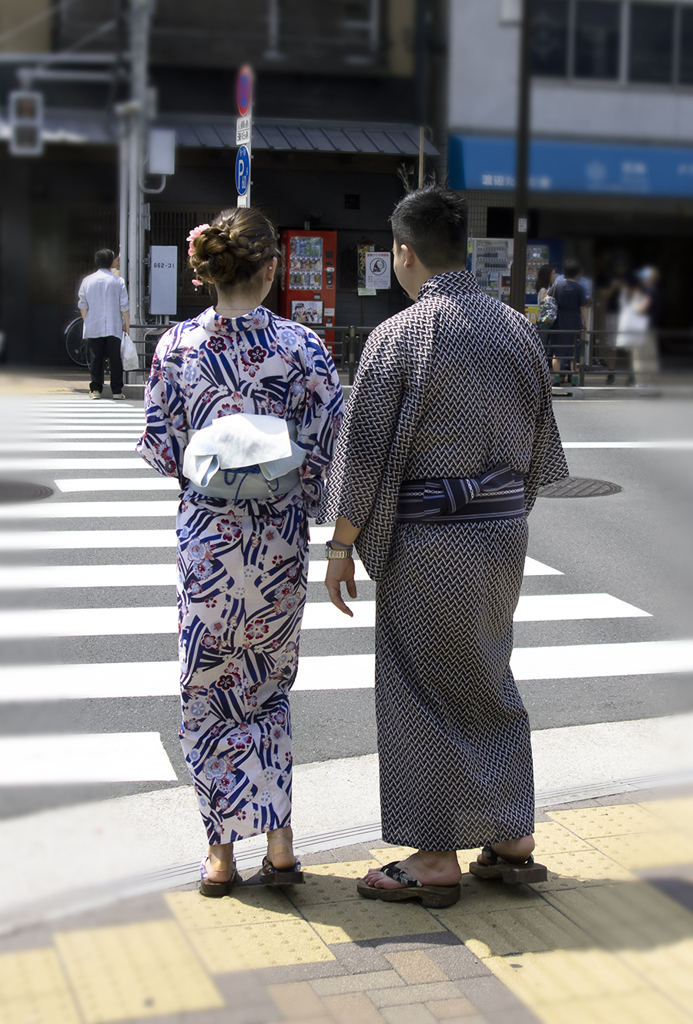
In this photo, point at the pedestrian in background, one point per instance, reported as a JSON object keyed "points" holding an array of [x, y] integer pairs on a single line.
{"points": [[448, 435], [635, 334], [546, 275], [571, 300], [103, 301], [227, 384]]}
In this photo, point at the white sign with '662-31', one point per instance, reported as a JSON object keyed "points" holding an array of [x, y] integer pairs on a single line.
{"points": [[244, 131]]}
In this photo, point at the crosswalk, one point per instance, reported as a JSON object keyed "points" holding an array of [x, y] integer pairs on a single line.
{"points": [[94, 568]]}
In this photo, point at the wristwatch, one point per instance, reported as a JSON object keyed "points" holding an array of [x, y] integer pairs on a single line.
{"points": [[332, 551]]}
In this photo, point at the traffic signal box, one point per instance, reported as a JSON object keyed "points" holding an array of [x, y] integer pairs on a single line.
{"points": [[26, 122]]}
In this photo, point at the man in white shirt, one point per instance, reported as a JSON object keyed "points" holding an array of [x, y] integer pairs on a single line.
{"points": [[103, 300]]}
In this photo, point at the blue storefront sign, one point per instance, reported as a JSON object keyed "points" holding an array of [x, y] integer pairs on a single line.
{"points": [[601, 168]]}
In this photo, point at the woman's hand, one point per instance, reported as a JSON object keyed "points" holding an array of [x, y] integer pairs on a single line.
{"points": [[340, 570]]}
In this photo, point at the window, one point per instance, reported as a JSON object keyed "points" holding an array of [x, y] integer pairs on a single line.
{"points": [[597, 39], [686, 47], [651, 42], [549, 37]]}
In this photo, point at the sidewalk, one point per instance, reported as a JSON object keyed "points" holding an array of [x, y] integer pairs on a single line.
{"points": [[609, 937]]}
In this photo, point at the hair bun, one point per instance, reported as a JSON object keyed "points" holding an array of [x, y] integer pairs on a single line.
{"points": [[232, 249]]}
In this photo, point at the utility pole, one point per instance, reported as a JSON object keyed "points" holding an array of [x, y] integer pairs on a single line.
{"points": [[140, 21], [519, 268]]}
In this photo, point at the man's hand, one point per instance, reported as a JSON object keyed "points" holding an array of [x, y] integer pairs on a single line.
{"points": [[340, 570]]}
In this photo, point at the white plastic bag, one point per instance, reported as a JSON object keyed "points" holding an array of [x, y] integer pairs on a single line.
{"points": [[128, 353]]}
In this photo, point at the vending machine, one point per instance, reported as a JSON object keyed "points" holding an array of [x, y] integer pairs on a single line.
{"points": [[309, 280]]}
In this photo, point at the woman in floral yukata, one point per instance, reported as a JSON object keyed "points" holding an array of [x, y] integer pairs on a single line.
{"points": [[242, 563]]}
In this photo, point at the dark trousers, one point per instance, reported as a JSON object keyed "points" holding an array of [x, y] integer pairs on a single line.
{"points": [[98, 349]]}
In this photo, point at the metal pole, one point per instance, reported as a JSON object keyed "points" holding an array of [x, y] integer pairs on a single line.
{"points": [[421, 156], [519, 269], [123, 199], [140, 17]]}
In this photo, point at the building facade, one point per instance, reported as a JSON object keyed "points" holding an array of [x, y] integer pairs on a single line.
{"points": [[341, 91], [611, 156]]}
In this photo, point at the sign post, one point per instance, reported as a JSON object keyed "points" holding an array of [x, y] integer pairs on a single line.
{"points": [[244, 134]]}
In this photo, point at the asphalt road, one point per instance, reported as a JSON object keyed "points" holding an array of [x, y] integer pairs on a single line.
{"points": [[634, 545]]}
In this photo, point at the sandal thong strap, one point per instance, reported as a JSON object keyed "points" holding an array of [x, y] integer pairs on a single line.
{"points": [[205, 877], [398, 874]]}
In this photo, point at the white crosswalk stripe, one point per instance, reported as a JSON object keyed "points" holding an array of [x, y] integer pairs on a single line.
{"points": [[102, 438]]}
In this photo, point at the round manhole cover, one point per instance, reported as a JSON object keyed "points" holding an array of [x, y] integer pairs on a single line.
{"points": [[20, 490], [579, 487]]}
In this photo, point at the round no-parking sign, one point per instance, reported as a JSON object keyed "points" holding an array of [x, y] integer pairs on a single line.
{"points": [[244, 90], [242, 170]]}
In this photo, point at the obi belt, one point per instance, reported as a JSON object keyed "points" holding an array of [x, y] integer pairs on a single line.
{"points": [[497, 494]]}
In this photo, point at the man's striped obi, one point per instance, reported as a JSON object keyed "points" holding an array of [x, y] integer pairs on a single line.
{"points": [[496, 494]]}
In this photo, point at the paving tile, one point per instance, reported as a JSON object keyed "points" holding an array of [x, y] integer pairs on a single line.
{"points": [[552, 837], [613, 820], [448, 1009], [647, 849], [499, 933], [676, 812], [416, 967], [270, 944], [352, 921], [625, 917], [247, 1000], [293, 972], [330, 883], [356, 983], [406, 994], [581, 867], [416, 1013], [33, 988], [386, 854], [130, 971], [246, 905], [495, 895], [475, 1018], [360, 958], [458, 962], [297, 999], [353, 1008]]}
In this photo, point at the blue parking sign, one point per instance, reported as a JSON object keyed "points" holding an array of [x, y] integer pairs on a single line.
{"points": [[242, 170]]}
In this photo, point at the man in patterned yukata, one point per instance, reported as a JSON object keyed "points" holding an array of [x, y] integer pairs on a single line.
{"points": [[449, 434]]}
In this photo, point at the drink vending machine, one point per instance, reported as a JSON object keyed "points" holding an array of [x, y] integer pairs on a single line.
{"points": [[309, 280]]}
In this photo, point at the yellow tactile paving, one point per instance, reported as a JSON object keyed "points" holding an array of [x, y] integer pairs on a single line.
{"points": [[252, 904], [390, 853], [552, 837], [272, 944], [581, 867], [33, 989], [623, 917], [647, 849], [677, 813], [520, 930], [134, 971], [330, 883], [615, 820], [369, 919]]}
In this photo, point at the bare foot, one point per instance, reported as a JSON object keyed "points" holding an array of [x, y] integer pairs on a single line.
{"points": [[516, 848], [219, 867], [280, 850], [425, 866]]}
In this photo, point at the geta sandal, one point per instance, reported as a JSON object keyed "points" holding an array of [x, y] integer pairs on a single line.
{"points": [[215, 890], [513, 870], [412, 889], [281, 876]]}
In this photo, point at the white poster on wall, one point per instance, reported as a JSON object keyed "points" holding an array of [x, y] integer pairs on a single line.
{"points": [[378, 270]]}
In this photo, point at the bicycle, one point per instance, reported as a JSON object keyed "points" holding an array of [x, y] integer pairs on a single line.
{"points": [[75, 344]]}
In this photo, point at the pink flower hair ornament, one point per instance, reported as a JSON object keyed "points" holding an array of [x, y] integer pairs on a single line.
{"points": [[191, 247]]}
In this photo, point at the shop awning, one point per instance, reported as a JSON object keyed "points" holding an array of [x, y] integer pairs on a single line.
{"points": [[477, 162], [81, 127], [302, 136]]}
